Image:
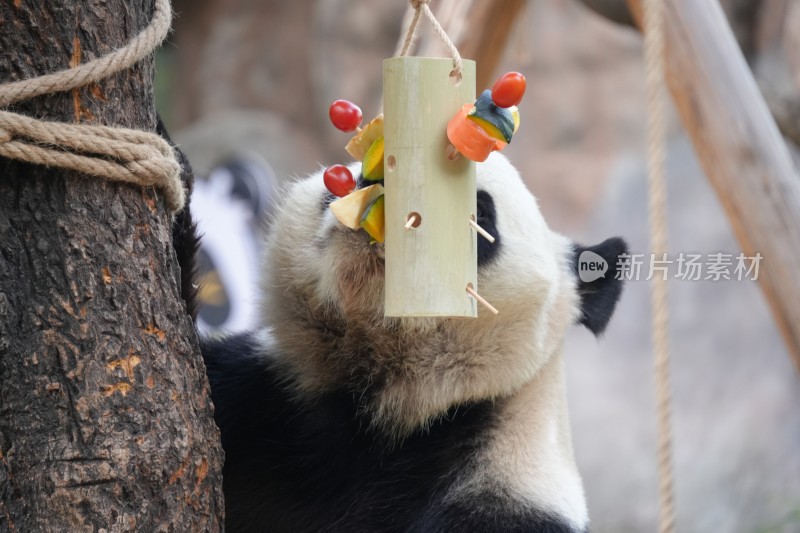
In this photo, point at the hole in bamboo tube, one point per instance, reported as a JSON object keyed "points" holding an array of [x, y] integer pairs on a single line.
{"points": [[455, 77], [413, 220], [391, 163]]}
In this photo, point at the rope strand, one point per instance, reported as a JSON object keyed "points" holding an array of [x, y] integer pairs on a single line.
{"points": [[420, 7], [409, 29], [656, 157], [117, 154], [97, 69]]}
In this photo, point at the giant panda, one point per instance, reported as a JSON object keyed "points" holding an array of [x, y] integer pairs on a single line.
{"points": [[336, 418]]}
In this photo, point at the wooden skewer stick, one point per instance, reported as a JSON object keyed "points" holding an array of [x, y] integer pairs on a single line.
{"points": [[480, 299], [452, 153], [486, 235], [411, 221]]}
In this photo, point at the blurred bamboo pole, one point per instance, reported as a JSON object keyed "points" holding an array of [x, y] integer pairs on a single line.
{"points": [[739, 147]]}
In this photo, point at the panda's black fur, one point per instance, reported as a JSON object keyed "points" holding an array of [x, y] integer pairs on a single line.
{"points": [[185, 240], [315, 465], [316, 462]]}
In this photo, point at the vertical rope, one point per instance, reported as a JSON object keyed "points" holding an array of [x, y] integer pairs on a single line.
{"points": [[656, 157], [409, 28]]}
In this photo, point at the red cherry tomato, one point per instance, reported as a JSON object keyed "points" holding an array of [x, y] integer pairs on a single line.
{"points": [[345, 115], [508, 90], [339, 180]]}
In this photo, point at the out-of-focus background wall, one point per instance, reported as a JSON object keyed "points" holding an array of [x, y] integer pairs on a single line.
{"points": [[252, 79]]}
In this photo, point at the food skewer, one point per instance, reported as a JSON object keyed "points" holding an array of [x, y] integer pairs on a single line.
{"points": [[477, 129], [487, 125]]}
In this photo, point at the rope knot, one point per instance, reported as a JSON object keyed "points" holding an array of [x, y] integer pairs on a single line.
{"points": [[420, 7], [120, 154]]}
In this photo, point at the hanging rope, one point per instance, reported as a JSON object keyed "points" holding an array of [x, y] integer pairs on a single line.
{"points": [[117, 154], [406, 42], [656, 156], [419, 8]]}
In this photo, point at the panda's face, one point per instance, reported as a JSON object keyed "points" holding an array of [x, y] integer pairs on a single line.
{"points": [[324, 291], [319, 261], [335, 266]]}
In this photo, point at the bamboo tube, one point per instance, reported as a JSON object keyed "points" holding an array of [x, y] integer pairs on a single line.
{"points": [[429, 264]]}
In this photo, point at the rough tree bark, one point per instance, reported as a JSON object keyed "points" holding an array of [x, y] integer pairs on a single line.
{"points": [[105, 419]]}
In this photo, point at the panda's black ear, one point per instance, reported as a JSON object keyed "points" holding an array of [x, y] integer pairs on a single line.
{"points": [[599, 272]]}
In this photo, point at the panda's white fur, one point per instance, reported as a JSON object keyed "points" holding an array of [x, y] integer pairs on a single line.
{"points": [[319, 267], [323, 307]]}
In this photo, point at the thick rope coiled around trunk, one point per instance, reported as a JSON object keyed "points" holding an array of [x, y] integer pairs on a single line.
{"points": [[117, 154]]}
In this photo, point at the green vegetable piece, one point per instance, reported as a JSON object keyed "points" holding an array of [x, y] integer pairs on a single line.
{"points": [[372, 167], [372, 221], [500, 118]]}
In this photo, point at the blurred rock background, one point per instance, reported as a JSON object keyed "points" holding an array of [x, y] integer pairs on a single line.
{"points": [[255, 77]]}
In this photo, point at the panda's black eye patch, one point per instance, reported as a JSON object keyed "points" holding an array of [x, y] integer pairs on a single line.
{"points": [[486, 216], [481, 212]]}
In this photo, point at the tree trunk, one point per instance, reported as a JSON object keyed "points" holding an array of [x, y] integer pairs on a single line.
{"points": [[105, 418]]}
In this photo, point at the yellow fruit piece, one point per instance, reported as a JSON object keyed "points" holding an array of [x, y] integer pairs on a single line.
{"points": [[372, 168], [515, 113], [373, 220], [348, 210], [358, 145], [488, 127]]}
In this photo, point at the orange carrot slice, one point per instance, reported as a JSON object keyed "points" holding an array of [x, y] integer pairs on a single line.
{"points": [[469, 138]]}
